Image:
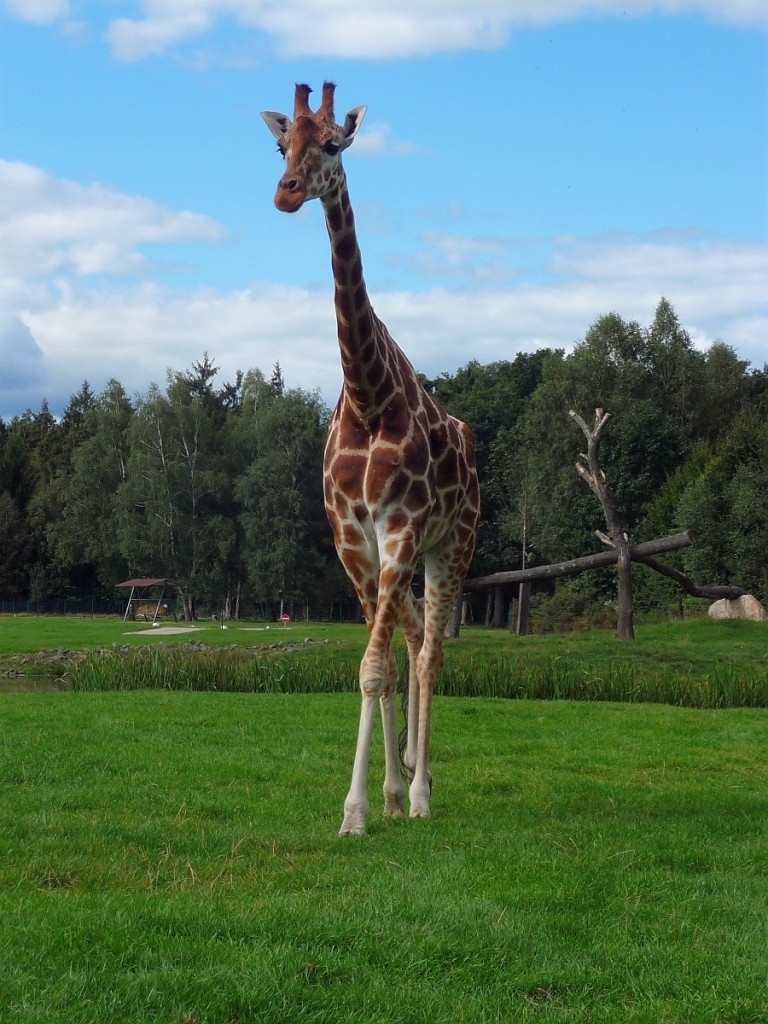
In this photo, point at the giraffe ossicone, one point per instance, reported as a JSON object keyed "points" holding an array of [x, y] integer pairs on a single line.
{"points": [[399, 474]]}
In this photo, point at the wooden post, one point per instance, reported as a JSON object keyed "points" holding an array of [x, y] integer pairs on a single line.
{"points": [[497, 614], [453, 626], [523, 609]]}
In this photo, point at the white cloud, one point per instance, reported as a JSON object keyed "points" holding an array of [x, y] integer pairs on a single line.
{"points": [[38, 12], [49, 225], [53, 230], [718, 291], [383, 29], [715, 278], [64, 318], [164, 25], [379, 29], [376, 140], [461, 257], [134, 333]]}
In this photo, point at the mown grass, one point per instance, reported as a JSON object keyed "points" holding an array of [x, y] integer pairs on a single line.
{"points": [[172, 857], [29, 633]]}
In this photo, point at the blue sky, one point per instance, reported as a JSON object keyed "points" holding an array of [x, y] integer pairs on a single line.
{"points": [[516, 176]]}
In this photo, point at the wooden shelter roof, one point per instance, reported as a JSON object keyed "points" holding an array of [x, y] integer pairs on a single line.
{"points": [[144, 582]]}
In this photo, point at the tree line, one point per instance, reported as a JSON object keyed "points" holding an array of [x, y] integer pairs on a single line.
{"points": [[218, 486]]}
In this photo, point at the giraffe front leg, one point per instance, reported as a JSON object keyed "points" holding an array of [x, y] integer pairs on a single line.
{"points": [[378, 680], [356, 804]]}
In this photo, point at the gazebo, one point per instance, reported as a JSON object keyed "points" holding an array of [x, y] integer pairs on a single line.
{"points": [[141, 593]]}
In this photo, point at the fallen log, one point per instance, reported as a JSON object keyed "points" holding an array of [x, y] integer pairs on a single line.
{"points": [[638, 553]]}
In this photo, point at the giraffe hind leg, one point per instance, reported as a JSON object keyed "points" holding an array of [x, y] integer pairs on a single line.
{"points": [[412, 621], [394, 789], [444, 571]]}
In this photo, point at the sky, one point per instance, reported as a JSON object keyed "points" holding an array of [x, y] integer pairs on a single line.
{"points": [[522, 169]]}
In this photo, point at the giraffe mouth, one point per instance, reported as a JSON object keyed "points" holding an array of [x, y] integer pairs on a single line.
{"points": [[290, 200]]}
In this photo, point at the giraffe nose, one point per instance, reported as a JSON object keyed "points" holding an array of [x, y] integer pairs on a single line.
{"points": [[291, 193]]}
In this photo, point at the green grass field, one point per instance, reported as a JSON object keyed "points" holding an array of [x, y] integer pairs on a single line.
{"points": [[171, 856]]}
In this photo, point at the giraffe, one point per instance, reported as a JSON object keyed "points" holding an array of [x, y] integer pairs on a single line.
{"points": [[399, 475]]}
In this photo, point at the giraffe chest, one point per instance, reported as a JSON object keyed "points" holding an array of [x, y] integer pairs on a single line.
{"points": [[380, 479], [403, 478]]}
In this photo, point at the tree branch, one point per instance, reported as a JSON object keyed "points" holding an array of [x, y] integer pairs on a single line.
{"points": [[712, 593]]}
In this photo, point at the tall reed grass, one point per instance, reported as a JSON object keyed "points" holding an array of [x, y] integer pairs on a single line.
{"points": [[232, 671], [556, 678], [510, 677]]}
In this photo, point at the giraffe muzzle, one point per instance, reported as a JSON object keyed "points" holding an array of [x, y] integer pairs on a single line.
{"points": [[290, 195]]}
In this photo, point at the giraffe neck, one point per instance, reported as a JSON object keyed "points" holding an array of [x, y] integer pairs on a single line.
{"points": [[367, 359]]}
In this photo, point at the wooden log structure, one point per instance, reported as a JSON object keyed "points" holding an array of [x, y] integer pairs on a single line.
{"points": [[637, 552]]}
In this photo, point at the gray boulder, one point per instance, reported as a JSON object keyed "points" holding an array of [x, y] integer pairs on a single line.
{"points": [[746, 607]]}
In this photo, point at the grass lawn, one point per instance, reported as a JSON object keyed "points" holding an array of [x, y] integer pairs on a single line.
{"points": [[172, 857]]}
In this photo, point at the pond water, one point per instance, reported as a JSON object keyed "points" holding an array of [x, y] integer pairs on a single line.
{"points": [[34, 682]]}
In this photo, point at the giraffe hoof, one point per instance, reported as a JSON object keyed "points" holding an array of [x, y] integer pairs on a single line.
{"points": [[394, 803], [419, 796], [420, 809], [353, 824]]}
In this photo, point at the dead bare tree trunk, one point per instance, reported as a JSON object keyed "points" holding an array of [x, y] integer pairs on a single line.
{"points": [[595, 478]]}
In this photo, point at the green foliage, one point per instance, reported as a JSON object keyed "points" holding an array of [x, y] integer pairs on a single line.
{"points": [[725, 506], [218, 485], [492, 399], [14, 547], [280, 493], [90, 490]]}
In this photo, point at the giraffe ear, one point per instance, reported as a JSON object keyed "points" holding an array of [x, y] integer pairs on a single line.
{"points": [[278, 124], [352, 122]]}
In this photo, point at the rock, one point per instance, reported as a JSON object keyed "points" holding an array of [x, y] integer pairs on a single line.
{"points": [[746, 607]]}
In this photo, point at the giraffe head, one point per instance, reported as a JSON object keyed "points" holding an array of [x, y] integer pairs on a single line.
{"points": [[312, 145]]}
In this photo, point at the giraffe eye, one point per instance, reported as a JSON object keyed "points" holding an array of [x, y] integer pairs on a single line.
{"points": [[331, 148]]}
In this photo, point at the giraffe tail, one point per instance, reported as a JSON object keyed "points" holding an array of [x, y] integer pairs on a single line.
{"points": [[402, 739]]}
